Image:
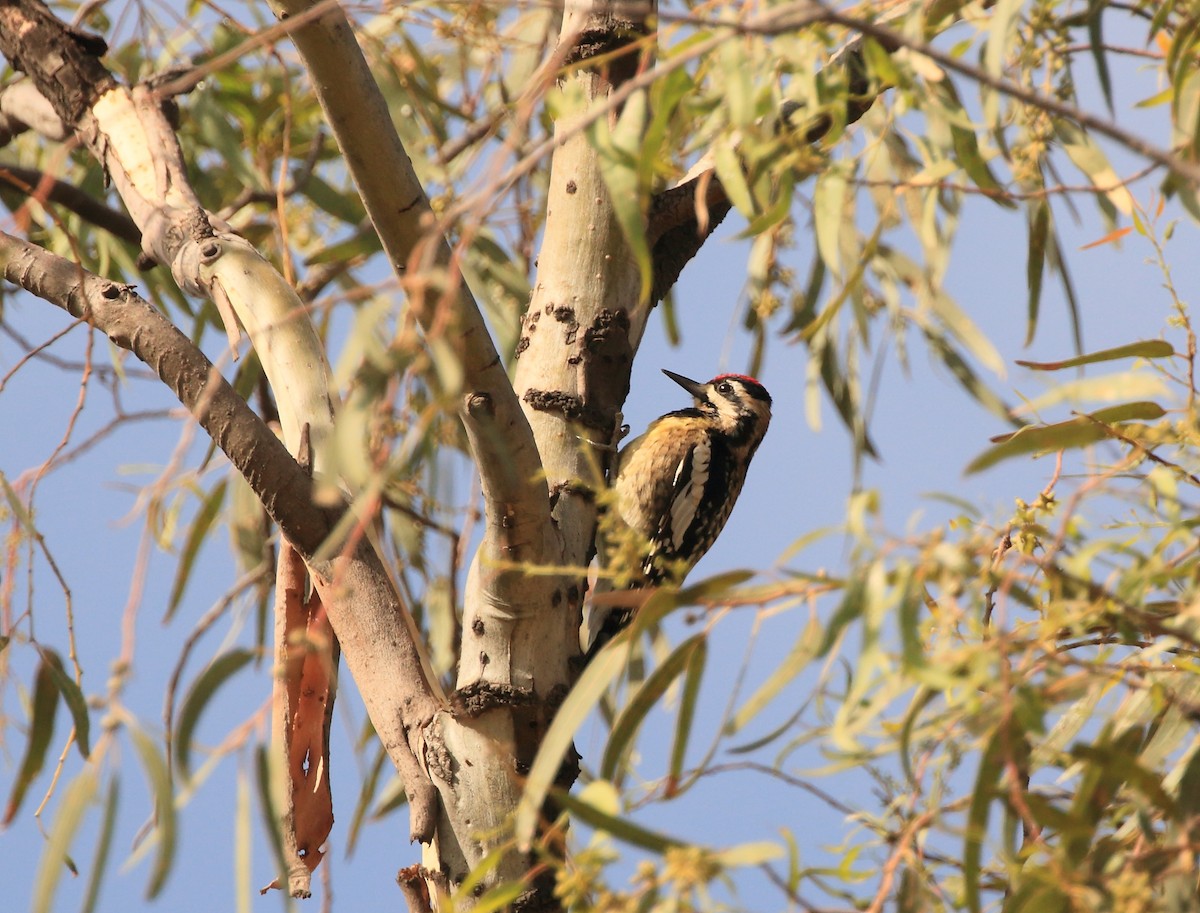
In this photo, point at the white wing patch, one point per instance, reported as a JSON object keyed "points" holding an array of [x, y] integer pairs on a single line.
{"points": [[689, 489]]}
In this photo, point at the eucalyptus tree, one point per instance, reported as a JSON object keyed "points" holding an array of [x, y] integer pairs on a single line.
{"points": [[474, 211]]}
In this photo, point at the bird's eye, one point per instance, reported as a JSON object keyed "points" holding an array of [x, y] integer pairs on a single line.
{"points": [[724, 387]]}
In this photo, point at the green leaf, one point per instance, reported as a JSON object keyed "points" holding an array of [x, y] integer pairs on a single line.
{"points": [[627, 184], [989, 775], [1149, 348], [243, 843], [643, 701], [72, 696], [1077, 432], [103, 846], [850, 608], [966, 148], [1091, 160], [687, 713], [799, 656], [1039, 227], [210, 509], [729, 169], [829, 214], [159, 780], [43, 709], [266, 804], [366, 794], [198, 696], [618, 826], [1096, 41], [601, 671], [1141, 385], [748, 854], [56, 853]]}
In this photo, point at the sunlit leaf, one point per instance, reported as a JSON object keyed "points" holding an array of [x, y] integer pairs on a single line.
{"points": [[618, 826], [198, 697], [103, 846], [1150, 348], [159, 781], [643, 701], [43, 709], [206, 516], [1077, 432], [55, 853], [688, 701]]}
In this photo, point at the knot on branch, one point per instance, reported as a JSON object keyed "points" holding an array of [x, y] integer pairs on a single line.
{"points": [[569, 406], [478, 698], [480, 406]]}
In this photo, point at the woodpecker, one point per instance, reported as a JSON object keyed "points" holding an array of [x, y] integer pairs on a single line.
{"points": [[673, 489]]}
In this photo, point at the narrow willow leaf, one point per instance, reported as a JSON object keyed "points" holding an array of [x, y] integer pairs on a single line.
{"points": [[715, 587], [618, 826], [909, 618], [922, 699], [990, 772], [1149, 348], [1001, 29], [799, 656], [75, 801], [198, 696], [500, 897], [270, 814], [103, 846], [642, 702], [619, 149], [1077, 432], [243, 844], [746, 854], [1126, 385], [366, 793], [852, 605], [1096, 41], [1088, 157], [478, 874], [43, 709], [1038, 217], [602, 671], [210, 509], [159, 781], [729, 169], [72, 696], [829, 213], [965, 330], [687, 713]]}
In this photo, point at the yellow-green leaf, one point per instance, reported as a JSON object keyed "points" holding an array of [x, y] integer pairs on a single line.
{"points": [[1077, 432]]}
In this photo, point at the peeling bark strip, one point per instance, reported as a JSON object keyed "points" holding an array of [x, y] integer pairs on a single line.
{"points": [[306, 654], [384, 659]]}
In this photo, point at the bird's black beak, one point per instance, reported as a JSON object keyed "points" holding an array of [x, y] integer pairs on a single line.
{"points": [[692, 387]]}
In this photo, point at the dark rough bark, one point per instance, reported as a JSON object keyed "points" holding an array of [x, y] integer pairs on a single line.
{"points": [[63, 62]]}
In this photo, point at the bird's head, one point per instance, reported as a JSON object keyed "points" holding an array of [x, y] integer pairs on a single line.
{"points": [[739, 405]]}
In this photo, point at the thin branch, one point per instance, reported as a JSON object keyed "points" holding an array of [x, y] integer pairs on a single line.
{"points": [[1133, 142], [499, 434], [374, 622], [45, 188]]}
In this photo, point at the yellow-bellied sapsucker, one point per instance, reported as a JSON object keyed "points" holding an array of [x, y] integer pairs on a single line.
{"points": [[674, 487]]}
